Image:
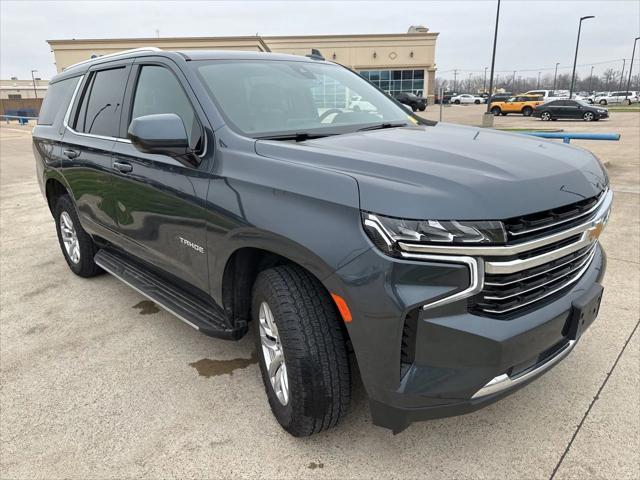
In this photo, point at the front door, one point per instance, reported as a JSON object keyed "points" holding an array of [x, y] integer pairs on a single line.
{"points": [[89, 137], [159, 200]]}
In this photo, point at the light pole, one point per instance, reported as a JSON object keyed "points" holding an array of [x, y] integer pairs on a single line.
{"points": [[538, 86], [575, 58], [631, 68], [622, 73], [493, 63], [455, 76], [33, 80], [469, 84], [555, 75], [513, 81], [590, 78], [484, 82]]}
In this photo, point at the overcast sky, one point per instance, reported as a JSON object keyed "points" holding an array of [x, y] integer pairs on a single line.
{"points": [[533, 34]]}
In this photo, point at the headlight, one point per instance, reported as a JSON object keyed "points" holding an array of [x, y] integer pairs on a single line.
{"points": [[385, 232]]}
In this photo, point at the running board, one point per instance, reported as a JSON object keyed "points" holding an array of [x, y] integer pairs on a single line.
{"points": [[203, 316]]}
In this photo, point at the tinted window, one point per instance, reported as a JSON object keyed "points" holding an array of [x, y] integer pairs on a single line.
{"points": [[556, 103], [159, 91], [56, 101], [99, 113]]}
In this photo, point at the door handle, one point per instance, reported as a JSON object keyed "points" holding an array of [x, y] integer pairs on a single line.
{"points": [[70, 153], [123, 167]]}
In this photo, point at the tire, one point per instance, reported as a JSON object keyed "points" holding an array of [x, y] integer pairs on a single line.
{"points": [[527, 111], [457, 102], [477, 102], [77, 246], [588, 116], [308, 333], [627, 102], [504, 114], [414, 108], [545, 116], [603, 102], [496, 111], [422, 109]]}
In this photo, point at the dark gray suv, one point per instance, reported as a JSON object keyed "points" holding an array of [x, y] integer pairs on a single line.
{"points": [[450, 265]]}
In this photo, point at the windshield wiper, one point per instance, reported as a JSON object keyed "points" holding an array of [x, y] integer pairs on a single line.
{"points": [[298, 137], [380, 126]]}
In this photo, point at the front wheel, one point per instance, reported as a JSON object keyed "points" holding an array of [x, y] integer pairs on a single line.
{"points": [[588, 116], [303, 360], [457, 102], [527, 111], [77, 246], [496, 111], [422, 109], [477, 102], [414, 108], [603, 102], [545, 116]]}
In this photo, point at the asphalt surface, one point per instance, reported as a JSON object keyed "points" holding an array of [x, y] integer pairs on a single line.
{"points": [[96, 382]]}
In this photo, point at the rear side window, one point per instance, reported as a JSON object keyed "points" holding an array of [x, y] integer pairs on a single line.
{"points": [[99, 113], [56, 101], [159, 91]]}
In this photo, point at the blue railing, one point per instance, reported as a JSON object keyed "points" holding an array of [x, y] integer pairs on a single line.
{"points": [[22, 119], [567, 137]]}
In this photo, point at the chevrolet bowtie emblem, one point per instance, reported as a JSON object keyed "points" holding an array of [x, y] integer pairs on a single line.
{"points": [[594, 232]]}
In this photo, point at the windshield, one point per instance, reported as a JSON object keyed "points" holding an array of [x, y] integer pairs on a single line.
{"points": [[263, 98]]}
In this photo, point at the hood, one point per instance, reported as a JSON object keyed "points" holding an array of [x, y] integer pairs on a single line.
{"points": [[451, 172]]}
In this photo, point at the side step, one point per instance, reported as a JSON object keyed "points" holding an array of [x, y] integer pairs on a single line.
{"points": [[203, 316]]}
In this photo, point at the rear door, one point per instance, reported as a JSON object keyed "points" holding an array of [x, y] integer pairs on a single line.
{"points": [[159, 200], [90, 134]]}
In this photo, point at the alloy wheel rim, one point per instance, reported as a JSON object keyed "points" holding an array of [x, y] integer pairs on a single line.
{"points": [[588, 117], [273, 354], [69, 237]]}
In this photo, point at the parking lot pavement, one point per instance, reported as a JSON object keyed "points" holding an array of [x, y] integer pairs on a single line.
{"points": [[97, 383]]}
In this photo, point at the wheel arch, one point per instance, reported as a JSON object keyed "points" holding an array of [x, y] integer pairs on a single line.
{"points": [[242, 267], [55, 187]]}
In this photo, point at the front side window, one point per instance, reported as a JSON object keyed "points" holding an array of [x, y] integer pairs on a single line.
{"points": [[99, 112], [159, 91], [269, 97]]}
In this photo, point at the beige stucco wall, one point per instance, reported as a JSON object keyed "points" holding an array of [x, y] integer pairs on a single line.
{"points": [[358, 52], [24, 88]]}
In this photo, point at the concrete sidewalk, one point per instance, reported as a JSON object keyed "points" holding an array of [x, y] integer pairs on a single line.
{"points": [[98, 383]]}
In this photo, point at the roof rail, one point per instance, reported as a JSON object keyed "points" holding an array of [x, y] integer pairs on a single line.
{"points": [[115, 54]]}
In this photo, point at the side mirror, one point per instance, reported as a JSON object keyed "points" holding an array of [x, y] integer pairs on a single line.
{"points": [[162, 134]]}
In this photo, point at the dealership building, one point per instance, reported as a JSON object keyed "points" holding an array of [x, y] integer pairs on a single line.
{"points": [[403, 62]]}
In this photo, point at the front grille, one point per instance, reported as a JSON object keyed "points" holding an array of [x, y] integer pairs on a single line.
{"points": [[506, 294], [528, 227]]}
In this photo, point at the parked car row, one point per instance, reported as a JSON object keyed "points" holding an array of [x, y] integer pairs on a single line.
{"points": [[615, 98]]}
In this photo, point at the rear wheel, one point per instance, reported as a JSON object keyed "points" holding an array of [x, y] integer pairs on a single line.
{"points": [[496, 111], [527, 111], [603, 102], [545, 116], [477, 102], [304, 361], [457, 102], [77, 246], [588, 116], [414, 108]]}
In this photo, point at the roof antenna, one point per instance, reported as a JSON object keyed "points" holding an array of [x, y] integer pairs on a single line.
{"points": [[315, 54]]}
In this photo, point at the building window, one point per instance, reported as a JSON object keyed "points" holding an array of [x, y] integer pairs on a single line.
{"points": [[15, 96], [395, 81]]}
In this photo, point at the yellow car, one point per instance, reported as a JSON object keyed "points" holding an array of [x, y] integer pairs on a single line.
{"points": [[521, 104]]}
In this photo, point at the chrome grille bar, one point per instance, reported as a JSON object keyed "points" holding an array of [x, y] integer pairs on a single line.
{"points": [[531, 289]]}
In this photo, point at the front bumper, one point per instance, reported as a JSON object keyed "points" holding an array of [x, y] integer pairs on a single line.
{"points": [[457, 354], [426, 344]]}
